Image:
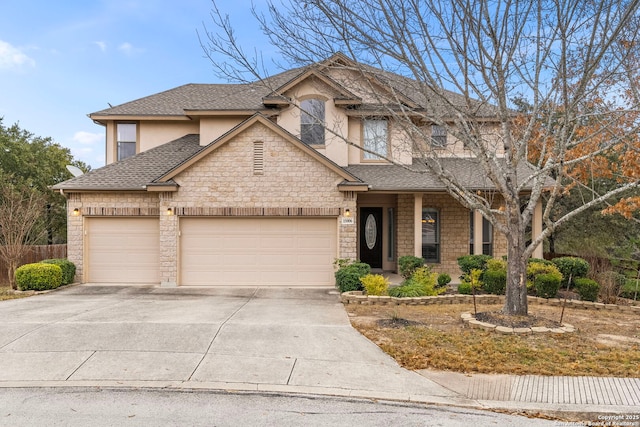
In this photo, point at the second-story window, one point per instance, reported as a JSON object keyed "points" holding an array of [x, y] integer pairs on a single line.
{"points": [[375, 138], [126, 140], [312, 121], [438, 136]]}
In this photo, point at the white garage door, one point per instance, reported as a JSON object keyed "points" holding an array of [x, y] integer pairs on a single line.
{"points": [[123, 250], [257, 251]]}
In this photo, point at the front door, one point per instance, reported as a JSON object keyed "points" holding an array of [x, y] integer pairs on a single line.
{"points": [[371, 236]]}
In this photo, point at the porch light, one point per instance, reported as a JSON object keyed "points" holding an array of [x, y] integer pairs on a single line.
{"points": [[169, 211], [76, 212], [428, 220], [347, 212]]}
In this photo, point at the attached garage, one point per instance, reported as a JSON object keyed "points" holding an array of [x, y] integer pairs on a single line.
{"points": [[122, 250], [257, 251]]}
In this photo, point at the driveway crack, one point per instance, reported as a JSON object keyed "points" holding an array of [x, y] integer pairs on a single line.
{"points": [[220, 329]]}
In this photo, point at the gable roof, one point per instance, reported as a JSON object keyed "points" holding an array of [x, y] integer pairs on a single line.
{"points": [[256, 118], [250, 97], [157, 167]]}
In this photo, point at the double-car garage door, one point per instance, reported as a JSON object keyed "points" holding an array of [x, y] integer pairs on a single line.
{"points": [[215, 251]]}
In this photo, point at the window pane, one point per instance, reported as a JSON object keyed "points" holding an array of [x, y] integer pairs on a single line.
{"points": [[430, 235], [312, 121], [487, 237], [438, 136], [375, 138], [126, 149], [127, 132]]}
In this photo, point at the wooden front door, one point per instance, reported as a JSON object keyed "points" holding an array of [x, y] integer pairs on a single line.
{"points": [[371, 236]]}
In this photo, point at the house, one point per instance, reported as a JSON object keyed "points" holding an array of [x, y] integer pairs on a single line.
{"points": [[243, 184]]}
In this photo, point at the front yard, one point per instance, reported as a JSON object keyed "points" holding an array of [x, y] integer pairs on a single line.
{"points": [[605, 343]]}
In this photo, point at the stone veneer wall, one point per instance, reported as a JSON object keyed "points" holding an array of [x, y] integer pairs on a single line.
{"points": [[102, 204], [226, 179]]}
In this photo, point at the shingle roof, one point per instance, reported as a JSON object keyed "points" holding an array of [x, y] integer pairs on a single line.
{"points": [[136, 172], [419, 178]]}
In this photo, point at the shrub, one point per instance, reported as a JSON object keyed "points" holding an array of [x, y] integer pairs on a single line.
{"points": [[540, 261], [422, 283], [443, 280], [408, 264], [375, 284], [496, 264], [495, 281], [535, 269], [473, 262], [38, 277], [348, 278], [587, 289], [630, 288], [571, 267], [610, 286], [68, 269], [464, 288], [547, 285]]}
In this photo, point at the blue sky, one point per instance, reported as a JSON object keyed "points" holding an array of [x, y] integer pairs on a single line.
{"points": [[60, 61]]}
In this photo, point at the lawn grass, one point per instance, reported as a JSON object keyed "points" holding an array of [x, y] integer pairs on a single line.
{"points": [[606, 343]]}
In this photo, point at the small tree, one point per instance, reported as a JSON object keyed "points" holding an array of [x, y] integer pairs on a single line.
{"points": [[21, 213]]}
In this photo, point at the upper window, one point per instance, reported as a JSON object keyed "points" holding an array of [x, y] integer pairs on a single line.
{"points": [[312, 121], [126, 140], [375, 139], [430, 235], [438, 136]]}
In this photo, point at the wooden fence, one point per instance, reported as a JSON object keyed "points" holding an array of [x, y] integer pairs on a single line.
{"points": [[35, 254]]}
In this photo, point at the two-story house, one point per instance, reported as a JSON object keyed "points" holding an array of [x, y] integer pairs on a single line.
{"points": [[268, 183]]}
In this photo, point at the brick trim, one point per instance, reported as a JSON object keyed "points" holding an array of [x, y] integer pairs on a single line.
{"points": [[97, 211], [231, 211]]}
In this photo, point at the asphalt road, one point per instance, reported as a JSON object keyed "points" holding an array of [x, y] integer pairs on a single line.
{"points": [[125, 407]]}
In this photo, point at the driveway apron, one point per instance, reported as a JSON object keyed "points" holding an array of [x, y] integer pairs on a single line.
{"points": [[277, 339]]}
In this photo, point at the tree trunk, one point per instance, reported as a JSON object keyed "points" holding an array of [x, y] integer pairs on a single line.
{"points": [[516, 292]]}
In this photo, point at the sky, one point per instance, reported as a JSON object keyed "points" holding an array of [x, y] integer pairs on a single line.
{"points": [[60, 61]]}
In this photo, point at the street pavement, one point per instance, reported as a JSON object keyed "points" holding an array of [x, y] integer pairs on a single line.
{"points": [[256, 340]]}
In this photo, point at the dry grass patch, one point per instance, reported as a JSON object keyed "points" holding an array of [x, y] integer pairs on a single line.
{"points": [[7, 293], [606, 343]]}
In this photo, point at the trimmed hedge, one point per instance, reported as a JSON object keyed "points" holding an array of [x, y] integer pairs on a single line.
{"points": [[348, 277], [547, 285], [573, 267], [473, 262], [443, 280], [464, 288], [408, 264], [587, 289], [495, 281], [68, 269], [38, 277]]}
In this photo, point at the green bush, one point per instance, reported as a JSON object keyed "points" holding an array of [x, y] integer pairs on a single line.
{"points": [[547, 285], [540, 261], [496, 264], [443, 280], [495, 281], [587, 289], [68, 269], [630, 288], [38, 277], [422, 283], [535, 269], [473, 262], [464, 288], [375, 284], [571, 267], [408, 264], [348, 277]]}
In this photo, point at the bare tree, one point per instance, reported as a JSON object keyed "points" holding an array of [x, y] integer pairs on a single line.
{"points": [[464, 62], [20, 224]]}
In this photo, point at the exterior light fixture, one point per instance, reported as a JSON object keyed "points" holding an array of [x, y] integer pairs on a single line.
{"points": [[76, 212], [347, 212], [169, 212]]}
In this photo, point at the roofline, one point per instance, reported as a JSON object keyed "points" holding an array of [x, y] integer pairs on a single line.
{"points": [[257, 118]]}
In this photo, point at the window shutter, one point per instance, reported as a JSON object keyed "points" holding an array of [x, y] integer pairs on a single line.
{"points": [[258, 158]]}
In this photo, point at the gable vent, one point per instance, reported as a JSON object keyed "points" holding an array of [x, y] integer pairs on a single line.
{"points": [[258, 158]]}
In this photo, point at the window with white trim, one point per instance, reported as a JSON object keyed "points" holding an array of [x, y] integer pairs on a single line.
{"points": [[375, 138]]}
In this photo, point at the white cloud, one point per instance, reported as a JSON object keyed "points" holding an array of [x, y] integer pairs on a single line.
{"points": [[126, 47], [101, 45], [88, 138], [11, 56]]}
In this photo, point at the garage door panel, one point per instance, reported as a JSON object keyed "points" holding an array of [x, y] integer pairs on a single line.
{"points": [[257, 251], [123, 250]]}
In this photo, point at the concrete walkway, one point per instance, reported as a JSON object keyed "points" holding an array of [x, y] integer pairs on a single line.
{"points": [[258, 340]]}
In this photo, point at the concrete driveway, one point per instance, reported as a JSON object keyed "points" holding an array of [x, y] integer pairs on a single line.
{"points": [[258, 339]]}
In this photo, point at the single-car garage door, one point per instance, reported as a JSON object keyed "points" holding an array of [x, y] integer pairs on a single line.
{"points": [[123, 250], [257, 251]]}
